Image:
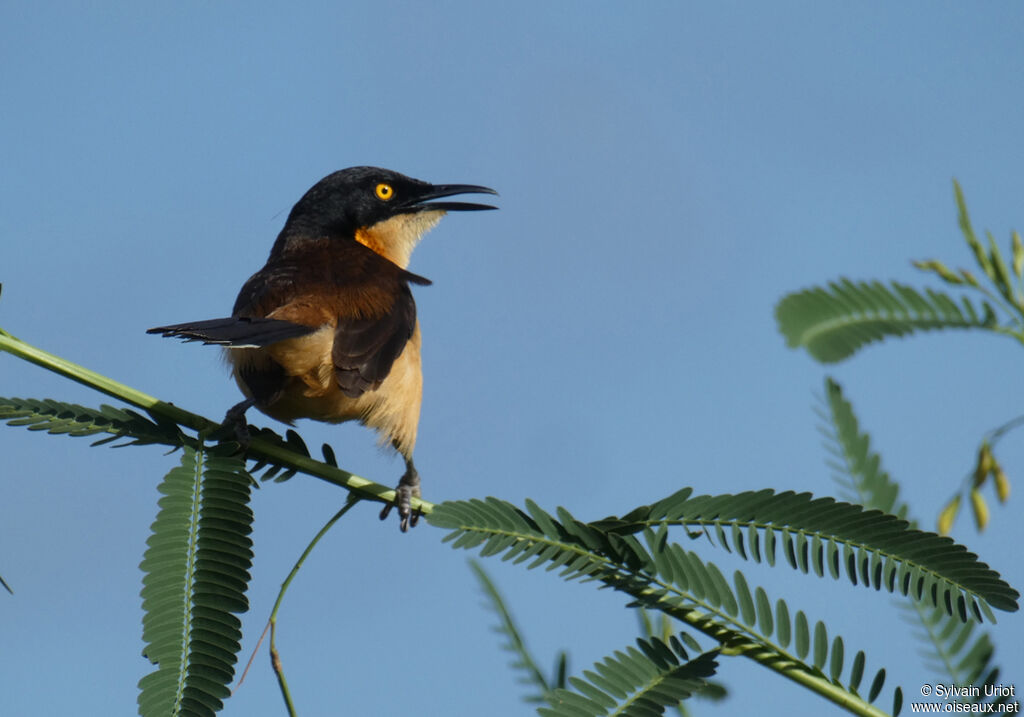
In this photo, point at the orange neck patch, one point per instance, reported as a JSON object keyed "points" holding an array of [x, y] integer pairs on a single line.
{"points": [[396, 237], [369, 238]]}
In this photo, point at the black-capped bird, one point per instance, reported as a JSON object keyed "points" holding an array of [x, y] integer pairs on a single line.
{"points": [[327, 329]]}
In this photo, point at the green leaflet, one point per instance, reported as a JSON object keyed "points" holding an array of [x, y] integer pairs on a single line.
{"points": [[856, 467], [658, 575], [530, 673], [833, 323], [196, 572], [57, 417], [931, 567], [954, 648], [635, 682]]}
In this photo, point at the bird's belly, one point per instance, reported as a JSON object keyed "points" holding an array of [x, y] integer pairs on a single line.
{"points": [[393, 408], [329, 405]]}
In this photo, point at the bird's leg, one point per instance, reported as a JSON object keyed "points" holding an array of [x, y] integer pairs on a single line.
{"points": [[235, 424], [408, 488]]}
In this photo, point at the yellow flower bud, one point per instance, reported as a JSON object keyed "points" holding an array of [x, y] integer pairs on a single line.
{"points": [[948, 515], [980, 509], [1002, 483]]}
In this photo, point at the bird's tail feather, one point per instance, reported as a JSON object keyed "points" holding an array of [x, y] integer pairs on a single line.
{"points": [[236, 332]]}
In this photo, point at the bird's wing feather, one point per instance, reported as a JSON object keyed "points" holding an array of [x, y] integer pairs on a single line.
{"points": [[362, 294], [365, 348], [236, 332]]}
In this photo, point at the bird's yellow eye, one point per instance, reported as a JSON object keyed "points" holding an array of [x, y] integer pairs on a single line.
{"points": [[384, 191]]}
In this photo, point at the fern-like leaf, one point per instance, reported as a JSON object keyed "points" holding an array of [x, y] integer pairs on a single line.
{"points": [[833, 323], [855, 466], [57, 417], [196, 575], [955, 648], [664, 628], [530, 674], [875, 548], [635, 682], [658, 575]]}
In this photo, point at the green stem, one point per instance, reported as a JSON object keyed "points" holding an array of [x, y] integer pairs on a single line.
{"points": [[1009, 306], [791, 670], [997, 433], [101, 383], [735, 641], [258, 448], [275, 658], [516, 642], [701, 616]]}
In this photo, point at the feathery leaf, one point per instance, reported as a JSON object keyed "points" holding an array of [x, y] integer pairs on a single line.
{"points": [[833, 323], [635, 681], [950, 647], [530, 673], [868, 537], [196, 572], [658, 575], [57, 417]]}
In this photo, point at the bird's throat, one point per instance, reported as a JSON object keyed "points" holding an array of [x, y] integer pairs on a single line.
{"points": [[396, 237]]}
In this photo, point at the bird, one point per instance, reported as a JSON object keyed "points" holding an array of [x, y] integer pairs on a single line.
{"points": [[327, 329]]}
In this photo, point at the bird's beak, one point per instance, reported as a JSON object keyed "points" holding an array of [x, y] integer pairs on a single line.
{"points": [[436, 191]]}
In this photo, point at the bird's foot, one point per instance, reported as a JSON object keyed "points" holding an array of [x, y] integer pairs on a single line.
{"points": [[408, 488], [234, 426]]}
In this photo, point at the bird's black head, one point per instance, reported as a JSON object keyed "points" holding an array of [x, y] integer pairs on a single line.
{"points": [[359, 199]]}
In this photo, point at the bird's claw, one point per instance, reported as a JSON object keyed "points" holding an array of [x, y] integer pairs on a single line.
{"points": [[234, 427], [408, 488]]}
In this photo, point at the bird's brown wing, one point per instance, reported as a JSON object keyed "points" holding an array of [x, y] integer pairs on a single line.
{"points": [[365, 348], [363, 295]]}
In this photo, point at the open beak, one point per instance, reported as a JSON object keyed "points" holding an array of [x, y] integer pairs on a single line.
{"points": [[421, 201]]}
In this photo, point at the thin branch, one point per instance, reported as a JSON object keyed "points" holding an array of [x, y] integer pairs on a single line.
{"points": [[252, 658], [258, 448], [516, 643], [275, 657], [997, 433]]}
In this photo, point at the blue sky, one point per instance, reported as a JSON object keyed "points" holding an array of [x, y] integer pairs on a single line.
{"points": [[667, 172]]}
